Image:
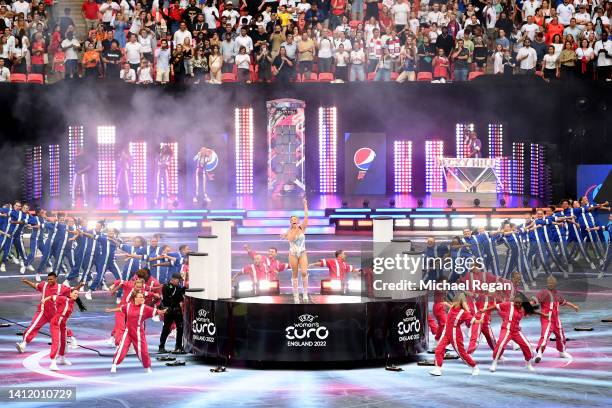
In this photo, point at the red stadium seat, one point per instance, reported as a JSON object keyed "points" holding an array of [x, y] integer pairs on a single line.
{"points": [[18, 78], [326, 77], [394, 76], [474, 74], [36, 79], [354, 23], [312, 77], [424, 76], [371, 76], [228, 77]]}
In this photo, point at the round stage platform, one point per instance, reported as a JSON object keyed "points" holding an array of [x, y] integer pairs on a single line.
{"points": [[327, 329]]}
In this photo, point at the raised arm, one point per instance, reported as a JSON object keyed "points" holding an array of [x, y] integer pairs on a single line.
{"points": [[29, 283], [305, 219]]}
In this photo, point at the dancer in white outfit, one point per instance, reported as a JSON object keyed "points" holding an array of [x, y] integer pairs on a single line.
{"points": [[297, 253]]}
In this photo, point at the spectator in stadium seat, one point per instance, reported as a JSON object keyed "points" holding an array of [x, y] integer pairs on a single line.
{"points": [[187, 57], [111, 60], [276, 39], [539, 45], [371, 9], [408, 59], [565, 11], [89, 11], [441, 65], [228, 47], [460, 58], [133, 52], [162, 66], [144, 73], [127, 74], [342, 59], [603, 53], [527, 58], [70, 46], [572, 29], [119, 25], [211, 14], [585, 57], [243, 40], [357, 72], [181, 34], [384, 67], [38, 54], [91, 61], [445, 41], [425, 54], [5, 73], [306, 52], [264, 62], [567, 61], [108, 10], [480, 54], [177, 64], [243, 63], [550, 64], [215, 63], [325, 52], [282, 67]]}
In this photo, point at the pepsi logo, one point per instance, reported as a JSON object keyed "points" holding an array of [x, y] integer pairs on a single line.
{"points": [[364, 157], [213, 162]]}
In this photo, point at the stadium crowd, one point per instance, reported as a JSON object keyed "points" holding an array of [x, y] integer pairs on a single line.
{"points": [[198, 41]]}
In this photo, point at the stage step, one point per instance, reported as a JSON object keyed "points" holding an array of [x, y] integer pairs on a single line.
{"points": [[330, 230]]}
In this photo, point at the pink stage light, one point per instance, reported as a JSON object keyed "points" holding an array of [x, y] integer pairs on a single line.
{"points": [[75, 144], [518, 168], [54, 170], [434, 174], [32, 180], [328, 142], [537, 168], [106, 161], [244, 150], [402, 164], [138, 153], [496, 151], [461, 131]]}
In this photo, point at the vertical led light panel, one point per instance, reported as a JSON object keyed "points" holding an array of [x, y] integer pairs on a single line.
{"points": [[402, 164], [244, 150]]}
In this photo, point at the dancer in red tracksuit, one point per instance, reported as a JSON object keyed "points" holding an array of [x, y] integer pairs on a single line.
{"points": [[129, 288], [439, 313], [550, 301], [271, 261], [136, 312], [481, 300], [64, 305], [45, 311], [457, 315], [511, 314]]}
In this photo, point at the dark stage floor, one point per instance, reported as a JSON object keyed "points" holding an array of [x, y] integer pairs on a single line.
{"points": [[585, 381]]}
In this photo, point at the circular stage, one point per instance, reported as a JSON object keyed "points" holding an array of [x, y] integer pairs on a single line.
{"points": [[327, 329]]}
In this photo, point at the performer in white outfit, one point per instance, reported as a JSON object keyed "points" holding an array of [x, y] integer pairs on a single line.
{"points": [[297, 253]]}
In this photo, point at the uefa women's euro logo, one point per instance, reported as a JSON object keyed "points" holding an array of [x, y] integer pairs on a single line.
{"points": [[409, 327], [203, 327], [363, 159], [306, 332]]}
